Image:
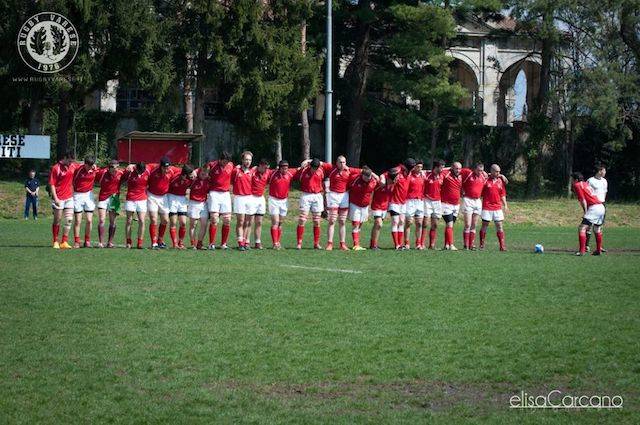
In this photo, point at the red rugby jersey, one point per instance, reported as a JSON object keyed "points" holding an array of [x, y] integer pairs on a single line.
{"points": [[136, 184], [310, 180], [219, 176], [433, 186], [241, 180], [159, 181], [199, 189], [83, 179], [381, 197], [339, 179], [109, 184], [472, 184], [451, 187], [400, 189], [280, 183], [61, 177], [583, 192], [179, 185], [416, 184], [492, 193], [259, 181], [360, 190]]}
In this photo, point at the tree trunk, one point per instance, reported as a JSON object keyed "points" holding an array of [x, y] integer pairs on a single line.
{"points": [[36, 116], [569, 146], [198, 119], [358, 76], [278, 146], [63, 124], [304, 117], [187, 95]]}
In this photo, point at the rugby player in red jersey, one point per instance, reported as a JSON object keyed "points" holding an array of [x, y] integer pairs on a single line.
{"points": [[137, 177], [360, 187], [279, 185], [450, 196], [398, 202], [109, 179], [197, 209], [83, 180], [380, 204], [157, 200], [311, 177], [259, 181], [494, 206], [415, 204], [472, 185], [594, 212], [339, 175], [61, 186], [432, 202], [178, 205], [243, 205], [219, 198]]}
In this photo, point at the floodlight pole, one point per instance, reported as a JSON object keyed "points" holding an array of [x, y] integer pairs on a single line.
{"points": [[328, 97]]}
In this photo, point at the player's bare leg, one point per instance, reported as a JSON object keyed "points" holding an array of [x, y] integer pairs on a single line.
{"points": [[433, 233], [375, 232], [173, 231], [202, 231], [240, 231], [302, 220], [87, 229], [257, 230], [420, 232], [342, 227], [332, 217], [317, 218], [193, 224], [214, 218], [102, 216], [407, 231], [66, 216], [182, 230], [153, 228], [248, 221], [112, 228], [127, 228], [142, 216], [77, 223]]}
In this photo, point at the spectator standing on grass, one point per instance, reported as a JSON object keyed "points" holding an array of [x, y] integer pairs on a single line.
{"points": [[32, 187]]}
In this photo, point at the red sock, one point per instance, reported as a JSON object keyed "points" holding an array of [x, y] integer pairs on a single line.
{"points": [[471, 238], [423, 236], [153, 232], [172, 233], [501, 240], [582, 241], [274, 234], [400, 237], [483, 236], [599, 241], [299, 233], [466, 237], [163, 229], [316, 235], [193, 242], [355, 235], [182, 232], [128, 241], [448, 236], [100, 233], [140, 241], [55, 230], [65, 238], [225, 233], [87, 237], [212, 233], [432, 238], [76, 238]]}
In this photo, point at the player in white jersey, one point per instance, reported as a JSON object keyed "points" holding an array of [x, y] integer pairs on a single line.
{"points": [[599, 187]]}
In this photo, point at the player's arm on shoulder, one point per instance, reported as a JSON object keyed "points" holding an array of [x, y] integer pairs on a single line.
{"points": [[504, 179]]}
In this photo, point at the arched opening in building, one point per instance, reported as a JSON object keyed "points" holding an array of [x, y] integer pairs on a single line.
{"points": [[518, 87], [463, 73]]}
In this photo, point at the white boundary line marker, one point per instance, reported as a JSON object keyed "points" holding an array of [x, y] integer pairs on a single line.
{"points": [[321, 269]]}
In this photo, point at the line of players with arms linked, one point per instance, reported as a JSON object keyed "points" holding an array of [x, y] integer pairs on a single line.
{"points": [[168, 195]]}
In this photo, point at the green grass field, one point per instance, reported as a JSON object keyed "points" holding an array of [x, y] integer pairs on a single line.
{"points": [[122, 336]]}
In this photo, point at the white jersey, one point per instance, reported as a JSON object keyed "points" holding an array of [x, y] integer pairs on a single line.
{"points": [[599, 187]]}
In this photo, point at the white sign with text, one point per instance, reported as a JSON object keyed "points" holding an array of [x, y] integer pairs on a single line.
{"points": [[25, 146]]}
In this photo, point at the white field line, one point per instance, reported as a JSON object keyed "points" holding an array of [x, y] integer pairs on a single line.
{"points": [[321, 269]]}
